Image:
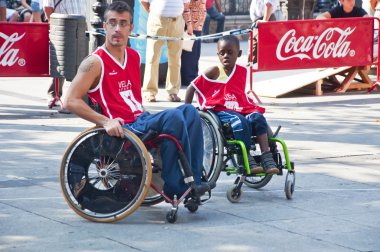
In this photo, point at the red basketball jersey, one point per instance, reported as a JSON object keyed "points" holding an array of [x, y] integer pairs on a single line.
{"points": [[222, 95], [119, 88]]}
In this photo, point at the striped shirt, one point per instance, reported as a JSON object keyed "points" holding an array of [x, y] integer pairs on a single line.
{"points": [[166, 8], [70, 7]]}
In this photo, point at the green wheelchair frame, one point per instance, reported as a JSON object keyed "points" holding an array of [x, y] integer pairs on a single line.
{"points": [[222, 153]]}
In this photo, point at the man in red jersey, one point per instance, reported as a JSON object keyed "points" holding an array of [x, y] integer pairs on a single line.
{"points": [[111, 76]]}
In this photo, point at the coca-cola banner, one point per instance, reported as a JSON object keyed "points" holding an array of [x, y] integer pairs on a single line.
{"points": [[24, 49], [315, 43]]}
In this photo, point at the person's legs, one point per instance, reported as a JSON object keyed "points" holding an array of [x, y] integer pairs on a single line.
{"points": [[183, 123], [51, 90], [219, 17], [12, 15], [153, 53], [206, 25], [189, 62], [260, 129], [173, 79]]}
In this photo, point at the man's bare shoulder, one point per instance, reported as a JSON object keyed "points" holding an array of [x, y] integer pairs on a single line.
{"points": [[90, 64]]}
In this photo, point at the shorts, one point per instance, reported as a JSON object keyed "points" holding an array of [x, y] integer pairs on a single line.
{"points": [[35, 5]]}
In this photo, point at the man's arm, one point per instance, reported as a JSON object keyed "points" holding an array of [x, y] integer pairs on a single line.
{"points": [[48, 11], [268, 10], [87, 78], [146, 5], [218, 5], [324, 15]]}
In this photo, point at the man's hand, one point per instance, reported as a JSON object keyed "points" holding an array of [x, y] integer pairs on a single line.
{"points": [[114, 127]]}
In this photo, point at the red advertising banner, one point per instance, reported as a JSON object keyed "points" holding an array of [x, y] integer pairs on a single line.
{"points": [[24, 49], [315, 43]]}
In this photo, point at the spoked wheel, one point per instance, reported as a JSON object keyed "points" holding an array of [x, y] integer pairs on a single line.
{"points": [[234, 194], [213, 147], [104, 178], [257, 182]]}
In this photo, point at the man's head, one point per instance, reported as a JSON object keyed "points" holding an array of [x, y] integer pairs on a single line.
{"points": [[118, 23], [228, 50], [348, 5]]}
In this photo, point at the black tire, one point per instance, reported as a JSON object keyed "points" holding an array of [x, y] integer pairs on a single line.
{"points": [[257, 182], [104, 178], [213, 147]]}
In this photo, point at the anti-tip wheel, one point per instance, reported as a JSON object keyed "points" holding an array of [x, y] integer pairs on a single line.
{"points": [[192, 206], [234, 194]]}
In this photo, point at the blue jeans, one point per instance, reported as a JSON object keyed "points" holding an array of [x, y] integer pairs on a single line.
{"points": [[184, 124], [243, 127], [214, 14]]}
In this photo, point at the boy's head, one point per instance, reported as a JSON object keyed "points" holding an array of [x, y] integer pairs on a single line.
{"points": [[348, 5], [228, 50]]}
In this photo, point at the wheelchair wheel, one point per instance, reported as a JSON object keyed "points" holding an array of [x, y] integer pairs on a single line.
{"points": [[104, 178], [153, 197], [213, 147], [257, 182]]}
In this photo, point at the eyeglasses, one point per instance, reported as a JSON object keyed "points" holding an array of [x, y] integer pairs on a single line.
{"points": [[113, 23]]}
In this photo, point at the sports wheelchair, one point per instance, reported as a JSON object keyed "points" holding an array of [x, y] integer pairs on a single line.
{"points": [[223, 153], [105, 178]]}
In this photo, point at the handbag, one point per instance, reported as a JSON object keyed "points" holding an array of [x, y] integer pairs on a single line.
{"points": [[187, 44]]}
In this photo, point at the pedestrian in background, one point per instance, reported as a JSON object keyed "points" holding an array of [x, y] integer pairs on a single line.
{"points": [[165, 19], [190, 59], [70, 7], [3, 10], [261, 11], [214, 13]]}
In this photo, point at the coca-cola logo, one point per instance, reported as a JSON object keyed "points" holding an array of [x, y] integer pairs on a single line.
{"points": [[331, 43], [8, 54]]}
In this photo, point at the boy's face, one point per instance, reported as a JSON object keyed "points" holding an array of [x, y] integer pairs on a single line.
{"points": [[228, 52], [348, 5]]}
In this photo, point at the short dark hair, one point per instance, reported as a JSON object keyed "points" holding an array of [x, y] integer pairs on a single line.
{"points": [[230, 38], [119, 7]]}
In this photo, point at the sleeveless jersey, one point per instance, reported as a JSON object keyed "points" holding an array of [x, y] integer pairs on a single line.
{"points": [[119, 89], [228, 94]]}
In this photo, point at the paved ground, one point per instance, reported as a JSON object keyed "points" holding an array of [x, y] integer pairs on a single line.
{"points": [[334, 141]]}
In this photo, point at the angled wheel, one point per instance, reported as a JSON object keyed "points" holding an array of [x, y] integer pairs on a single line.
{"points": [[289, 189], [213, 147], [234, 194], [104, 178]]}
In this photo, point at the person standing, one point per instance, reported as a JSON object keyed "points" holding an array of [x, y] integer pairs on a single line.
{"points": [[165, 19], [261, 11], [214, 13], [190, 60], [70, 7]]}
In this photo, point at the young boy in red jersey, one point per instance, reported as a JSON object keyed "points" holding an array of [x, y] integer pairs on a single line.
{"points": [[222, 88]]}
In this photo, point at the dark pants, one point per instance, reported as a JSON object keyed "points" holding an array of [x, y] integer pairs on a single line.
{"points": [[190, 62], [214, 14], [184, 124]]}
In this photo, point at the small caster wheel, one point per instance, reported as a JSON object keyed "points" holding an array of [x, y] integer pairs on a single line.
{"points": [[171, 217], [234, 194], [192, 206], [289, 189]]}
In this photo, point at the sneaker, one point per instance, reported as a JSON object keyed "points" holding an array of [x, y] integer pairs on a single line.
{"points": [[204, 187], [268, 163], [253, 165]]}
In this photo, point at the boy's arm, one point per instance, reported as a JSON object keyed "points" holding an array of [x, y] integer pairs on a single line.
{"points": [[189, 94]]}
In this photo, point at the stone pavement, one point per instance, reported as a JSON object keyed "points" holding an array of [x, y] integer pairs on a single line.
{"points": [[334, 141]]}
